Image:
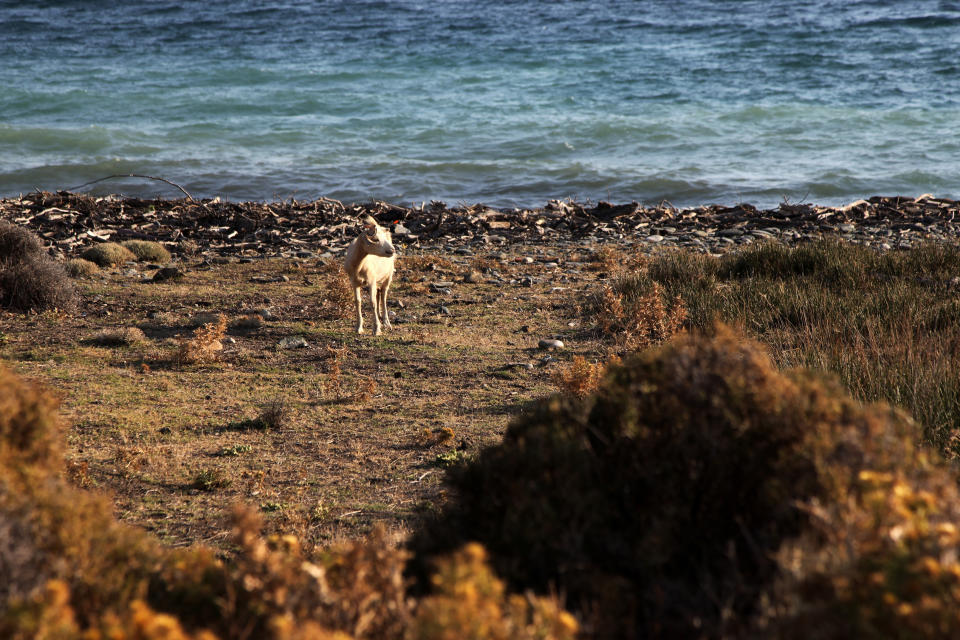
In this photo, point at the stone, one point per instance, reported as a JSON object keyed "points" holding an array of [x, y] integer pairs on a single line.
{"points": [[293, 342], [168, 273], [551, 343]]}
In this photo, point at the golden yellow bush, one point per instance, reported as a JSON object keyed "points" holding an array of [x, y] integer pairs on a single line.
{"points": [[471, 603]]}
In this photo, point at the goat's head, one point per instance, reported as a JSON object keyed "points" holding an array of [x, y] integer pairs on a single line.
{"points": [[376, 239]]}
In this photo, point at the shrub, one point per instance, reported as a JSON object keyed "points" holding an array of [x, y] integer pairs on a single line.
{"points": [[205, 344], [581, 378], [80, 268], [657, 505], [634, 312], [108, 254], [147, 251], [119, 337], [336, 294], [29, 278]]}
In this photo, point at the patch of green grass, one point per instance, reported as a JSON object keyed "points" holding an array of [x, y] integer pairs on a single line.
{"points": [[886, 324]]}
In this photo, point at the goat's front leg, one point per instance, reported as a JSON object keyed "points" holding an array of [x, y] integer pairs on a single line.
{"points": [[377, 330], [359, 301]]}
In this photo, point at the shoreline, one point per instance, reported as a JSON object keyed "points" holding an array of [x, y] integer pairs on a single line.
{"points": [[69, 222]]}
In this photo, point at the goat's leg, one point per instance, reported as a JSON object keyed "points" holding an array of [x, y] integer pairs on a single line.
{"points": [[359, 301], [377, 330], [383, 301]]}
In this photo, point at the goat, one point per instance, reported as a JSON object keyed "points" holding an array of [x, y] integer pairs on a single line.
{"points": [[369, 263]]}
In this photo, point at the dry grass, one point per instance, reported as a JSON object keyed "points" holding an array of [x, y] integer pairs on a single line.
{"points": [[80, 268], [147, 251], [108, 254]]}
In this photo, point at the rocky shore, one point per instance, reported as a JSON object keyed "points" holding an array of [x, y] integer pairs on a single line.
{"points": [[69, 222]]}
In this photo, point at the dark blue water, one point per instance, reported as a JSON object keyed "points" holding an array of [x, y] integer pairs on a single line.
{"points": [[506, 103]]}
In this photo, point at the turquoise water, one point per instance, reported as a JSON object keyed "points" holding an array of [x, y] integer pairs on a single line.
{"points": [[506, 103]]}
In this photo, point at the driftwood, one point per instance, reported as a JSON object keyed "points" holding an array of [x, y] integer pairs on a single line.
{"points": [[68, 221]]}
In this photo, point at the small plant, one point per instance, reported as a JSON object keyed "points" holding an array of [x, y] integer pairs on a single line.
{"points": [[210, 480], [365, 390], [205, 344], [633, 312], [335, 357], [581, 378], [336, 294], [80, 268], [108, 254], [235, 450], [432, 437], [147, 251], [274, 414], [450, 458], [119, 337]]}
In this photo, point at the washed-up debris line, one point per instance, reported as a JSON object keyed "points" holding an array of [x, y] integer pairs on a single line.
{"points": [[69, 222]]}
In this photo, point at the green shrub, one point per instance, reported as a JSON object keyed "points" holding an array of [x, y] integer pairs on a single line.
{"points": [[108, 254], [29, 278], [148, 251]]}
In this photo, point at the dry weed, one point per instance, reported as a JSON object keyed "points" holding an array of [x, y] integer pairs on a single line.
{"points": [[641, 321], [581, 378], [205, 344], [365, 390]]}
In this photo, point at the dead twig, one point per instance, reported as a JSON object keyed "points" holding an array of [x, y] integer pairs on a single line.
{"points": [[133, 175]]}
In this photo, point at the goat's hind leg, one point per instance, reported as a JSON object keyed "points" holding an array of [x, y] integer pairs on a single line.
{"points": [[377, 327], [358, 299], [382, 300]]}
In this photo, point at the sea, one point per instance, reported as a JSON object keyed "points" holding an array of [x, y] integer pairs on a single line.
{"points": [[508, 103]]}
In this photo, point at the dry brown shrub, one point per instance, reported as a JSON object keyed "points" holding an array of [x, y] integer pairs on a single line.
{"points": [[29, 278], [365, 390], [336, 294], [205, 344], [640, 320], [581, 378], [359, 589]]}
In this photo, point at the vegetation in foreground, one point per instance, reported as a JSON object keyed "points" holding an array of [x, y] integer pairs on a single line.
{"points": [[866, 547], [886, 324]]}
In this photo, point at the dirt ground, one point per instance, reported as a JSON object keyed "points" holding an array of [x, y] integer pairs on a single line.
{"points": [[325, 438]]}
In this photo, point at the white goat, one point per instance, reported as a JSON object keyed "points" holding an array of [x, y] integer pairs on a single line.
{"points": [[369, 263]]}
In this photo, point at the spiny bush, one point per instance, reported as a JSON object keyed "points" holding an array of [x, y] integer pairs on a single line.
{"points": [[147, 251], [634, 312], [658, 504], [582, 378], [29, 278], [108, 254], [204, 345]]}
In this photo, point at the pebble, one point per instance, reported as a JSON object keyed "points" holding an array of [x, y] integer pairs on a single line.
{"points": [[551, 343], [293, 342], [655, 238]]}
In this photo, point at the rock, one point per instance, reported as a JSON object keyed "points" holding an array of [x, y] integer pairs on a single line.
{"points": [[293, 342], [168, 273], [520, 365], [655, 238], [551, 343], [400, 230], [473, 277]]}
